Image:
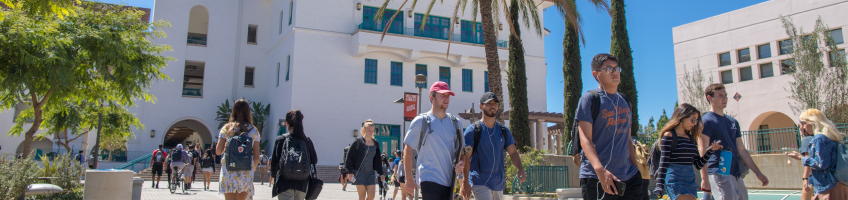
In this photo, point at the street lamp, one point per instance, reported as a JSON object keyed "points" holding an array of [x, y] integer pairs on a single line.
{"points": [[420, 80]]}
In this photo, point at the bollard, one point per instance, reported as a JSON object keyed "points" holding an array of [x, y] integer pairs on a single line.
{"points": [[108, 184], [136, 190]]}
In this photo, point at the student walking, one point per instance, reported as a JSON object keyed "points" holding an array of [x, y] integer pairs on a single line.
{"points": [[363, 162], [287, 185], [384, 165], [803, 151], [436, 138], [398, 177], [483, 167], [207, 164], [823, 157], [734, 161], [608, 157], [191, 166], [237, 142], [679, 153], [157, 159], [263, 167]]}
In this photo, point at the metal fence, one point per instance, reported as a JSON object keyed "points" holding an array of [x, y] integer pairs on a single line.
{"points": [[542, 179], [646, 139], [777, 140]]}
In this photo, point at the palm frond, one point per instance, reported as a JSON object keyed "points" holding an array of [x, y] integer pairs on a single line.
{"points": [[427, 14], [568, 9], [508, 18], [528, 5], [389, 24], [412, 8], [475, 8], [462, 7], [453, 20]]}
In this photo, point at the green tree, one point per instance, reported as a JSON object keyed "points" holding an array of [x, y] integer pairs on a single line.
{"points": [[650, 128], [58, 8], [692, 87], [489, 12], [72, 120], [816, 84], [258, 111], [519, 111], [571, 78], [99, 54], [662, 121], [620, 48]]}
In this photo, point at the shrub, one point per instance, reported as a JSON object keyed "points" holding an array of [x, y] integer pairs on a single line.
{"points": [[531, 157], [17, 175]]}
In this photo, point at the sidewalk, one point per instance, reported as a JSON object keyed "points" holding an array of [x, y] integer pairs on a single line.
{"points": [[263, 192]]}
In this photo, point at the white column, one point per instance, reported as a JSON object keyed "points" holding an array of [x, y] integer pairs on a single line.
{"points": [[540, 135], [532, 134]]}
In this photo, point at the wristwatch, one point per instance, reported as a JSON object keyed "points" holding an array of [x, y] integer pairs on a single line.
{"points": [[804, 179]]}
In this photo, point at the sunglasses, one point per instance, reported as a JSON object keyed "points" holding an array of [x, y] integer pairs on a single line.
{"points": [[694, 120]]}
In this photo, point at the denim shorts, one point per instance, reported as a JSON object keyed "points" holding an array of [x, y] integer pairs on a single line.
{"points": [[680, 180]]}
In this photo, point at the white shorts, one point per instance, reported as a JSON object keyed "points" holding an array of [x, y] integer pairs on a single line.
{"points": [[208, 169]]}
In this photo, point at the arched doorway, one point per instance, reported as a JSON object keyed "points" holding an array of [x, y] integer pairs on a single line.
{"points": [[187, 132], [771, 132], [41, 147]]}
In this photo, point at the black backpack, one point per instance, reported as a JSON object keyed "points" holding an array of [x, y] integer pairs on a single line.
{"points": [[654, 159], [176, 156], [161, 157], [263, 160], [207, 161], [575, 146], [295, 161], [239, 151], [478, 131]]}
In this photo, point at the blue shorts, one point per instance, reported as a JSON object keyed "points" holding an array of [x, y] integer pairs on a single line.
{"points": [[680, 180]]}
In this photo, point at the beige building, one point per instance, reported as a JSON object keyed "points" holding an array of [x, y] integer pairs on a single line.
{"points": [[743, 50]]}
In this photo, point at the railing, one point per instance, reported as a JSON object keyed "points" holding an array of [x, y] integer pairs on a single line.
{"points": [[777, 140], [442, 35], [143, 159], [542, 179], [196, 40], [646, 139], [192, 92]]}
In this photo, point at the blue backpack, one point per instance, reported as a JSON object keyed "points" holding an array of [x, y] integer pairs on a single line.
{"points": [[239, 151], [841, 171]]}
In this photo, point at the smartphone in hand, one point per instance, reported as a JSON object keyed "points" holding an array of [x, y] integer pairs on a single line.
{"points": [[619, 186]]}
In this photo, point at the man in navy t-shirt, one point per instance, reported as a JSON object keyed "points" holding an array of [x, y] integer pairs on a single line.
{"points": [[606, 139], [483, 167], [724, 170]]}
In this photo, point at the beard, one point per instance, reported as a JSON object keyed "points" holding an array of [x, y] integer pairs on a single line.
{"points": [[489, 114]]}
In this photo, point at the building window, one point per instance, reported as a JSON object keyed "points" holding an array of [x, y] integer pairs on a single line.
{"points": [[836, 34], [786, 47], [486, 82], [444, 75], [467, 84], [421, 69], [724, 59], [727, 77], [397, 74], [278, 74], [193, 79], [766, 70], [434, 27], [787, 66], [198, 25], [251, 34], [746, 74], [764, 51], [743, 55], [291, 11], [281, 22], [371, 23], [248, 76], [471, 32], [370, 71], [836, 57], [288, 67]]}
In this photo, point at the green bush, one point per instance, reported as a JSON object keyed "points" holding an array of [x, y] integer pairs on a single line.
{"points": [[17, 175], [531, 157], [66, 172]]}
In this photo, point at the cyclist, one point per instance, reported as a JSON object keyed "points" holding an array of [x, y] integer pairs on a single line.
{"points": [[179, 158]]}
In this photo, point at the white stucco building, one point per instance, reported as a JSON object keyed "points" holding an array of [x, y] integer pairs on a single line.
{"points": [[742, 49], [323, 57]]}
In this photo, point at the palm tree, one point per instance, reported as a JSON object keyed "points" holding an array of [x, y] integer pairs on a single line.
{"points": [[490, 10]]}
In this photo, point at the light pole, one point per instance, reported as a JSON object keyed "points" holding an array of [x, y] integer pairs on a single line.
{"points": [[420, 80]]}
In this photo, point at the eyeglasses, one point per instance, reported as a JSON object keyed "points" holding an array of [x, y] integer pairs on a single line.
{"points": [[611, 69], [694, 120]]}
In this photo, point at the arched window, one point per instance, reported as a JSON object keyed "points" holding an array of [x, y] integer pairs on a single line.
{"points": [[198, 25]]}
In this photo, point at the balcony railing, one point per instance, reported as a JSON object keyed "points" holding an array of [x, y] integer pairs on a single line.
{"points": [[197, 92], [196, 40], [442, 35]]}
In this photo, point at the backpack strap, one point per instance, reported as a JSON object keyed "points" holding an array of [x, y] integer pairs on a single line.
{"points": [[458, 140], [478, 131], [576, 147], [425, 130], [596, 103]]}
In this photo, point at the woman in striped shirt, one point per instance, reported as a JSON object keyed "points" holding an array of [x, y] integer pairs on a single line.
{"points": [[675, 175]]}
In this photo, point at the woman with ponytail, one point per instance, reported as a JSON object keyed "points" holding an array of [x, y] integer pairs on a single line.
{"points": [[290, 189], [363, 160], [823, 154]]}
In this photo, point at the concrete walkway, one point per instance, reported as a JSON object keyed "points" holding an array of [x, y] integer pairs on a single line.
{"points": [[263, 192]]}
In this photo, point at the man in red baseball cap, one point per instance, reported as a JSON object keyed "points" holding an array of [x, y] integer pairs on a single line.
{"points": [[433, 140]]}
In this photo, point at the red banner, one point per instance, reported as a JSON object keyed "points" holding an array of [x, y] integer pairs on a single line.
{"points": [[410, 106]]}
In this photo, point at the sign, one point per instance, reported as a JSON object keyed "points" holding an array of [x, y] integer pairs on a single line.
{"points": [[410, 106], [737, 96]]}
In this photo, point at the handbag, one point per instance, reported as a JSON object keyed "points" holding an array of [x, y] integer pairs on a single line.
{"points": [[315, 186]]}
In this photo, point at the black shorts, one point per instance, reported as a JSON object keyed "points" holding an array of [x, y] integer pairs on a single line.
{"points": [[157, 169], [433, 191]]}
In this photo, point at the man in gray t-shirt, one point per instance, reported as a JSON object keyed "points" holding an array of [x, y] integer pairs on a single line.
{"points": [[435, 167]]}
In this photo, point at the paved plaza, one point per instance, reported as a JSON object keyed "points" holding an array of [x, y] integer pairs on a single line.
{"points": [[263, 192]]}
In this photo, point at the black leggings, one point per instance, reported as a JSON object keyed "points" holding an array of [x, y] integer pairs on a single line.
{"points": [[383, 188]]}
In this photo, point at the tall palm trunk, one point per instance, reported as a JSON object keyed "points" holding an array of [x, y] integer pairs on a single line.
{"points": [[620, 48], [519, 122], [572, 81], [491, 47]]}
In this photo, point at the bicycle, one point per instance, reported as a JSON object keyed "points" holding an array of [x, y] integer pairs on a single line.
{"points": [[175, 181]]}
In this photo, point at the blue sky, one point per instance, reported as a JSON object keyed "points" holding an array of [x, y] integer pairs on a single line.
{"points": [[649, 24]]}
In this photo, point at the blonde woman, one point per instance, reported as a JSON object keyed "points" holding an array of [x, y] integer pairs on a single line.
{"points": [[238, 184], [363, 161], [822, 159]]}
